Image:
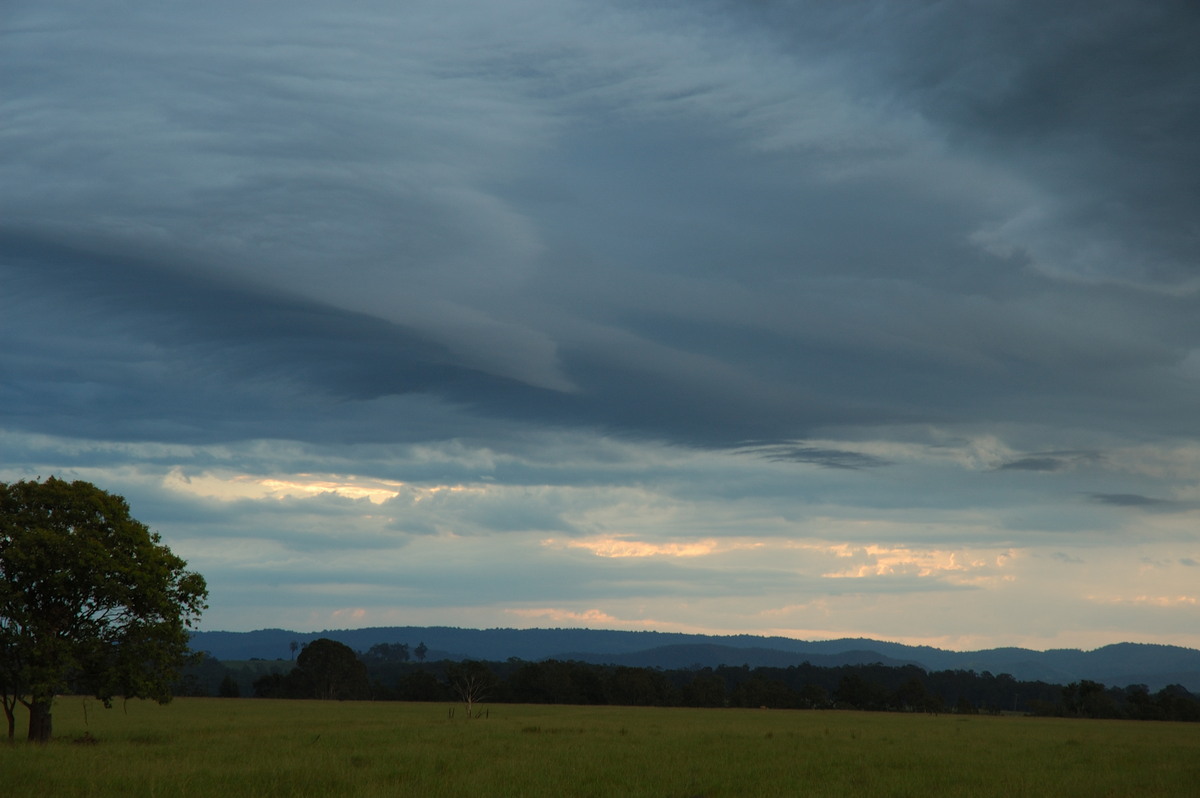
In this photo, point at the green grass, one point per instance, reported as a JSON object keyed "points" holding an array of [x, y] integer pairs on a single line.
{"points": [[231, 747]]}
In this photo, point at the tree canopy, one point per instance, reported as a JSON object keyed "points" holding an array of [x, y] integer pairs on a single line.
{"points": [[329, 669], [325, 669], [90, 599]]}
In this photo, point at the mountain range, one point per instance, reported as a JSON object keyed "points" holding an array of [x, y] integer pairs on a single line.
{"points": [[1115, 665]]}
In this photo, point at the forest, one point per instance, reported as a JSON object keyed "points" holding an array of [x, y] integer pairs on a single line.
{"points": [[326, 669]]}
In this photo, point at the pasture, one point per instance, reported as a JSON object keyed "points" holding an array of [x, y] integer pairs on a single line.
{"points": [[254, 747]]}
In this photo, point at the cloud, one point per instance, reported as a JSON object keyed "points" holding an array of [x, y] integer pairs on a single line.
{"points": [[616, 547], [1128, 500], [367, 303], [1091, 104], [422, 170], [559, 616], [1153, 601], [961, 567], [1050, 461], [828, 458]]}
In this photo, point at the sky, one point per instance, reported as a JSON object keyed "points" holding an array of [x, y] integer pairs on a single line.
{"points": [[859, 319]]}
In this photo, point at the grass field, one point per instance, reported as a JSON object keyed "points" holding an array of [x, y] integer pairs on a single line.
{"points": [[245, 747]]}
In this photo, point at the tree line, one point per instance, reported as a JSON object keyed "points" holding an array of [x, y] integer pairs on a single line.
{"points": [[329, 669]]}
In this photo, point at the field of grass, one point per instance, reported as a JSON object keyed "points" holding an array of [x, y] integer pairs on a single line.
{"points": [[254, 747]]}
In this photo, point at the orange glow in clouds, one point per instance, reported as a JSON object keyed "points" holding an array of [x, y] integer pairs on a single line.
{"points": [[615, 547], [231, 487], [884, 561]]}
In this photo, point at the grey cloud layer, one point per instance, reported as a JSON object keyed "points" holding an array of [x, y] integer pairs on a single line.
{"points": [[698, 223]]}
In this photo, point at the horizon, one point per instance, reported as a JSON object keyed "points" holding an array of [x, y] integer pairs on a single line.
{"points": [[724, 318], [717, 635]]}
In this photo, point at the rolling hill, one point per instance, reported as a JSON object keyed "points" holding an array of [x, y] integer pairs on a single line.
{"points": [[1118, 665]]}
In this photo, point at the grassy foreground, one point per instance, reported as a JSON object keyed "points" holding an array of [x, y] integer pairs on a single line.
{"points": [[243, 747]]}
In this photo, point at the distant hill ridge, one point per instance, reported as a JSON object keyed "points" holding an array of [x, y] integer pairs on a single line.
{"points": [[1116, 665]]}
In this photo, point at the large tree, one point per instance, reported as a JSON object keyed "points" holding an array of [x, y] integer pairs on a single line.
{"points": [[330, 670], [90, 599]]}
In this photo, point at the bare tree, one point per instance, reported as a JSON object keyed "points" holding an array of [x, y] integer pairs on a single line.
{"points": [[471, 682]]}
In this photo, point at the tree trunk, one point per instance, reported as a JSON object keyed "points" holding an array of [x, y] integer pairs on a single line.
{"points": [[10, 709], [39, 721]]}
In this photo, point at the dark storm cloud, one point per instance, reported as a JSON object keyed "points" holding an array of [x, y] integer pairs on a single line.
{"points": [[887, 226], [129, 345], [1051, 461], [828, 458], [1102, 95], [1095, 101], [1034, 464]]}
